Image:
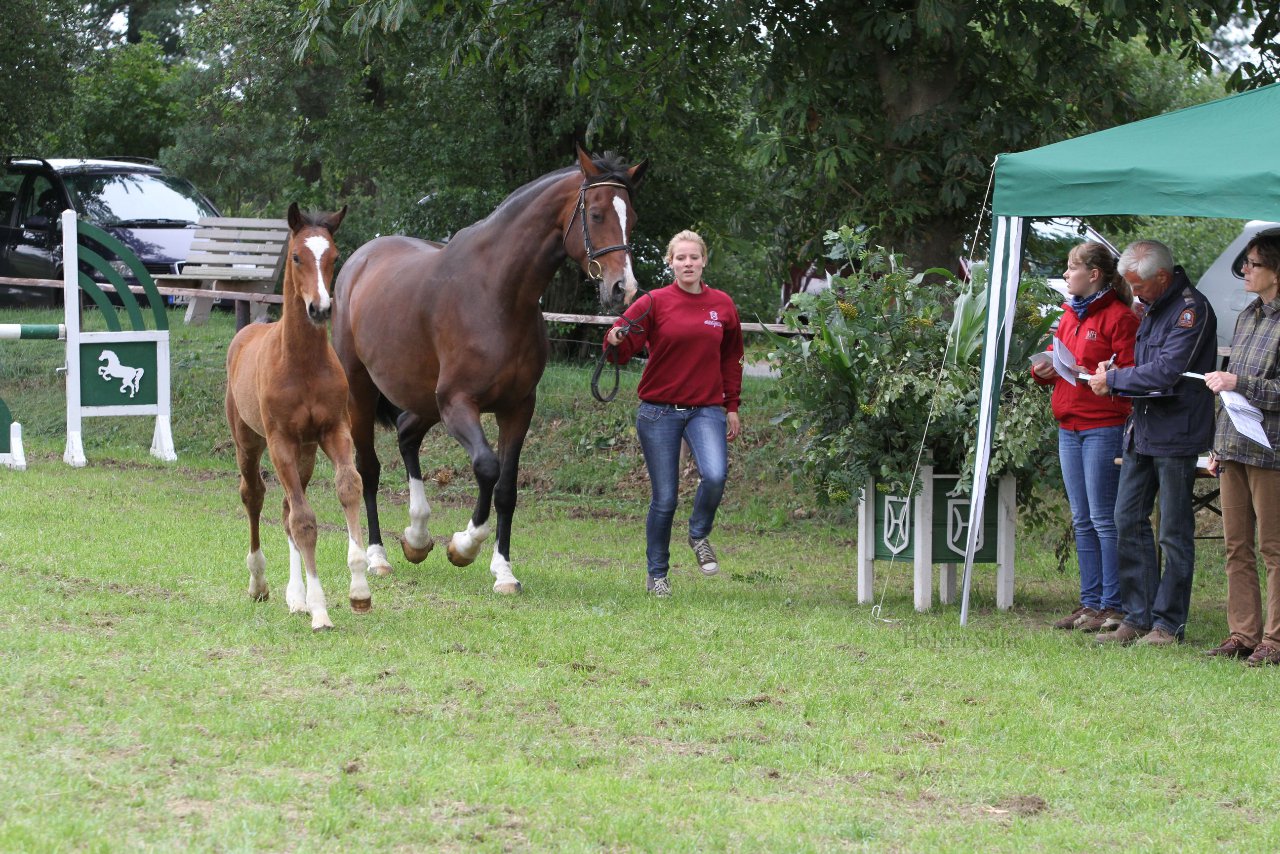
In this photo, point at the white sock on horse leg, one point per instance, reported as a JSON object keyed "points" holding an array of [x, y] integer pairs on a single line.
{"points": [[417, 534], [257, 564], [295, 594]]}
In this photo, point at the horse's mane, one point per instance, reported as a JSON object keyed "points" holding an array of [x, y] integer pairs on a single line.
{"points": [[611, 166]]}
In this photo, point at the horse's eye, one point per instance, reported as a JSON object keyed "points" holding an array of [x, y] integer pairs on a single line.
{"points": [[596, 216], [296, 259]]}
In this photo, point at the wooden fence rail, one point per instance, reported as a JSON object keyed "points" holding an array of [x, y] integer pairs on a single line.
{"points": [[551, 317]]}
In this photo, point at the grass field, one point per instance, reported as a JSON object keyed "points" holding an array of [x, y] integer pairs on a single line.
{"points": [[148, 704]]}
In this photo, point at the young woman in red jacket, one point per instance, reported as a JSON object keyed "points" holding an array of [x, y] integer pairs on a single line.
{"points": [[1098, 325], [689, 391]]}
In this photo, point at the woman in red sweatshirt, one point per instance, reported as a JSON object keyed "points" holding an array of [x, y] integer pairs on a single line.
{"points": [[689, 391], [1098, 325]]}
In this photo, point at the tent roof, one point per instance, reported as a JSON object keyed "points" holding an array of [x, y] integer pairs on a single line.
{"points": [[1220, 159]]}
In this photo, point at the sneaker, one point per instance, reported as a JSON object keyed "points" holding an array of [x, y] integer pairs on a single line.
{"points": [[1105, 620], [659, 587], [1069, 622], [705, 554]]}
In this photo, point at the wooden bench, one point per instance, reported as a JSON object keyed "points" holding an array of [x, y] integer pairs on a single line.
{"points": [[233, 254]]}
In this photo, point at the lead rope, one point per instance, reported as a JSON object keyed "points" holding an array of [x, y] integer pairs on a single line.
{"points": [[878, 608], [612, 350]]}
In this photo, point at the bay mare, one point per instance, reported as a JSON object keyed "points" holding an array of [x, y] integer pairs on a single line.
{"points": [[287, 394], [429, 333]]}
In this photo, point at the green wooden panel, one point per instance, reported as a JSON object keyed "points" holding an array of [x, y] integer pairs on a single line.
{"points": [[6, 418], [109, 373], [895, 525]]}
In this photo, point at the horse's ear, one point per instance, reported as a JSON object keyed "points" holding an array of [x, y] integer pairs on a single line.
{"points": [[636, 173], [295, 217], [589, 169], [333, 220]]}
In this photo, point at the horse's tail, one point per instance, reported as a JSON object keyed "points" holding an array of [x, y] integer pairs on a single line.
{"points": [[386, 412]]}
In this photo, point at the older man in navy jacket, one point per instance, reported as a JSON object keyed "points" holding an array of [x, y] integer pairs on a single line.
{"points": [[1171, 424]]}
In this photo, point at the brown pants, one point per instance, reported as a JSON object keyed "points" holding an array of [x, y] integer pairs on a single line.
{"points": [[1251, 504]]}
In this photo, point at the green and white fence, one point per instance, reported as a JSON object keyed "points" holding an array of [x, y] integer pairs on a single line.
{"points": [[117, 372], [11, 451]]}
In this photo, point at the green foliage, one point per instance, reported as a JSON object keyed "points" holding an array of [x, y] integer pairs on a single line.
{"points": [[39, 42], [891, 376], [1196, 242], [126, 102]]}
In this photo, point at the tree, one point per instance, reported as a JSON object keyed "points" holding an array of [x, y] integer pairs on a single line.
{"points": [[886, 114], [163, 20], [126, 103], [39, 45]]}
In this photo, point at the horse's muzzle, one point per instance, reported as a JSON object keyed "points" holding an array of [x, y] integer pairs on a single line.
{"points": [[614, 294], [318, 314]]}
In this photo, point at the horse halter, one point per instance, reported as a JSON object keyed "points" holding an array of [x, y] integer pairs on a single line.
{"points": [[594, 269]]}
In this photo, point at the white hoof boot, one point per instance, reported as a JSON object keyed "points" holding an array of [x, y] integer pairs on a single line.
{"points": [[415, 547], [257, 564], [465, 545], [359, 595], [377, 558], [503, 581]]}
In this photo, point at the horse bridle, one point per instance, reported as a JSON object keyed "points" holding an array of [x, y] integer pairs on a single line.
{"points": [[594, 268]]}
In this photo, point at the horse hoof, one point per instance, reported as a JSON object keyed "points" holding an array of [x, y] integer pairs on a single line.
{"points": [[259, 597], [510, 588], [327, 627], [414, 554], [361, 606], [457, 558], [381, 569]]}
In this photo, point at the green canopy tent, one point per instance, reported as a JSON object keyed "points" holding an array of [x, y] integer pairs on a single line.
{"points": [[1219, 159]]}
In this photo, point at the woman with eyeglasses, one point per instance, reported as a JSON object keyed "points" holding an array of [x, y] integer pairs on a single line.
{"points": [[1097, 326], [1249, 471]]}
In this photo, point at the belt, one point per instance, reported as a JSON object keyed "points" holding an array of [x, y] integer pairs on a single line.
{"points": [[676, 406]]}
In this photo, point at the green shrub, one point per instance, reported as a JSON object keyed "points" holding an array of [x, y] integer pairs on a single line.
{"points": [[890, 377]]}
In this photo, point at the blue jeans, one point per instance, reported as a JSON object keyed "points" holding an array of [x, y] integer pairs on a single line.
{"points": [[1148, 597], [1090, 474], [661, 428]]}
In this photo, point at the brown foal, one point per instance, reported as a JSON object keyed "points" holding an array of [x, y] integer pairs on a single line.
{"points": [[287, 394]]}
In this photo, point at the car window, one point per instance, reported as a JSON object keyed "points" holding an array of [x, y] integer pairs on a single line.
{"points": [[38, 197], [10, 184], [138, 198]]}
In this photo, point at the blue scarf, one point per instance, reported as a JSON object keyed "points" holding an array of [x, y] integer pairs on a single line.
{"points": [[1080, 305]]}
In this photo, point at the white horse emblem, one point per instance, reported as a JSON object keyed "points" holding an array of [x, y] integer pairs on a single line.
{"points": [[129, 377]]}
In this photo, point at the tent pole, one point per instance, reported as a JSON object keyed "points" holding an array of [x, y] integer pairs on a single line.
{"points": [[1005, 266]]}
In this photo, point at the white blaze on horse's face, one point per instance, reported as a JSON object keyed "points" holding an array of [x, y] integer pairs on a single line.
{"points": [[629, 283], [318, 246]]}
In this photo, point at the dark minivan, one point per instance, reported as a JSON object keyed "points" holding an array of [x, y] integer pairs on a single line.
{"points": [[151, 211]]}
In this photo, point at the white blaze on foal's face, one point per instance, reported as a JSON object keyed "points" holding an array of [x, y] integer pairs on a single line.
{"points": [[318, 246]]}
